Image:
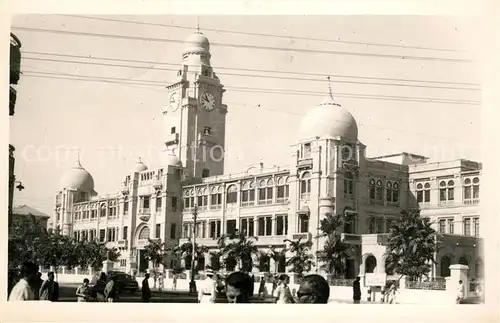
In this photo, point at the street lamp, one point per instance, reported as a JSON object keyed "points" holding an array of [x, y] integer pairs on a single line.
{"points": [[192, 283]]}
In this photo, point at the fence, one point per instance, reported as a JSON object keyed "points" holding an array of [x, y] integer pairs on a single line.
{"points": [[438, 283]]}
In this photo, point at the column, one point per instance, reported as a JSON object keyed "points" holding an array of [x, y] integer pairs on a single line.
{"points": [[274, 228], [255, 226]]}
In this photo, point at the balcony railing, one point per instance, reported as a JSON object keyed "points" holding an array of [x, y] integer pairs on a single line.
{"points": [[305, 236], [471, 201], [144, 211], [446, 203]]}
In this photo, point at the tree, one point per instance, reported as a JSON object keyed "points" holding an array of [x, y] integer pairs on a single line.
{"points": [[93, 253], [241, 248], [335, 253], [154, 251], [185, 251], [411, 245], [302, 260]]}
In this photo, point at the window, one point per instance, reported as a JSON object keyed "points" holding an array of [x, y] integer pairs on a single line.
{"points": [[376, 191], [230, 226], [93, 214], [215, 229], [467, 231], [451, 226], [247, 226], [205, 172], [471, 190], [172, 130], [303, 223], [232, 194], [423, 193], [123, 262], [305, 186], [145, 202], [172, 231], [306, 150], [158, 231], [125, 208], [392, 193], [265, 226], [446, 192], [174, 203], [185, 230], [281, 225], [248, 194], [346, 153], [282, 190], [266, 191], [102, 235], [348, 184], [188, 199], [158, 203], [207, 131], [125, 233], [476, 227], [103, 210], [442, 226], [380, 225], [216, 198], [202, 198]]}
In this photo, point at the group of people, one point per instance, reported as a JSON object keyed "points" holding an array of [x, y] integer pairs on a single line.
{"points": [[239, 288], [31, 286]]}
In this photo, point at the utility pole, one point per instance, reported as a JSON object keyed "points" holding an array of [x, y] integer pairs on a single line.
{"points": [[192, 283]]}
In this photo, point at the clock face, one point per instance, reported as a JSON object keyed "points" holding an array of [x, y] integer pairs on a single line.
{"points": [[208, 101], [174, 101]]}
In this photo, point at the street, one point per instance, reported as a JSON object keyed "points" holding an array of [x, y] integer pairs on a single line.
{"points": [[67, 293]]}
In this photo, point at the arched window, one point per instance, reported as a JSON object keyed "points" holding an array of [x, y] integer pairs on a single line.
{"points": [[248, 194], [216, 197], [188, 203], [446, 191], [348, 184], [202, 198], [144, 234], [282, 190], [370, 264], [471, 190], [266, 191], [305, 186], [392, 194], [445, 266], [232, 194]]}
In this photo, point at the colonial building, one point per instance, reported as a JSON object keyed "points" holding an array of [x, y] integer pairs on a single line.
{"points": [[328, 172]]}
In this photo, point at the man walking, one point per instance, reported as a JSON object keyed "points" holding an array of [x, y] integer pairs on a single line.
{"points": [[23, 290], [37, 285], [50, 289], [460, 292], [146, 291], [208, 289], [356, 291]]}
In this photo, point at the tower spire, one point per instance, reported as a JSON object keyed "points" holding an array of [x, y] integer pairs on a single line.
{"points": [[78, 162], [330, 88], [198, 24]]}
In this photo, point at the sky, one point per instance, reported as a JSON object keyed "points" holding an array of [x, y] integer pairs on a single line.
{"points": [[410, 82]]}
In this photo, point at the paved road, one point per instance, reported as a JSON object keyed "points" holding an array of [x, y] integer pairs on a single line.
{"points": [[67, 294]]}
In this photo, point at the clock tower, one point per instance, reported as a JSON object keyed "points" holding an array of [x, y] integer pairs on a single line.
{"points": [[195, 117]]}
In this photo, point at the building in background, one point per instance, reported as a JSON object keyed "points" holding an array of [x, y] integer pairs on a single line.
{"points": [[15, 72], [26, 214], [328, 172]]}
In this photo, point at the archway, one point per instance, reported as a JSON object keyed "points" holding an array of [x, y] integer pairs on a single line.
{"points": [[463, 261], [370, 264], [144, 233], [445, 266]]}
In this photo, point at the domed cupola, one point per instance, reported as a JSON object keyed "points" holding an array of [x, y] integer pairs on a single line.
{"points": [[78, 178], [170, 159], [329, 119], [197, 50], [139, 166]]}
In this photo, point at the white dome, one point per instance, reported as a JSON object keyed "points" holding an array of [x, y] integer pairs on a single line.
{"points": [[139, 166], [196, 43], [78, 178], [170, 159], [329, 119]]}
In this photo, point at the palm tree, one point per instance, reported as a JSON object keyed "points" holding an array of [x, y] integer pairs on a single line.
{"points": [[154, 251], [302, 260], [411, 245], [276, 255], [335, 253], [185, 251], [242, 249]]}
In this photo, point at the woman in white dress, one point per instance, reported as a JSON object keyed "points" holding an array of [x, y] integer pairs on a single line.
{"points": [[283, 294]]}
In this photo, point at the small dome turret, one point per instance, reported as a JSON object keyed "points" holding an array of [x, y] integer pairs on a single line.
{"points": [[139, 166]]}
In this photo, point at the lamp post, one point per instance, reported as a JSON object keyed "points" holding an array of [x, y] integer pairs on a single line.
{"points": [[20, 187], [192, 283]]}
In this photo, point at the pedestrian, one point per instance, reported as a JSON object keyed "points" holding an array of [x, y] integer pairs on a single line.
{"points": [[24, 289], [155, 278], [239, 287], [111, 289], [207, 294], [49, 291], [275, 284], [37, 285], [283, 293], [460, 292], [313, 289], [160, 282], [356, 291], [83, 291], [146, 292], [99, 287], [262, 287], [174, 282]]}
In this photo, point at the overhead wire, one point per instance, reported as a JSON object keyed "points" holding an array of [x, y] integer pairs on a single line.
{"points": [[259, 47]]}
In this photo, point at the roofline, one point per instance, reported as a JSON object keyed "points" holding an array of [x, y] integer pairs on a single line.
{"points": [[399, 154]]}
